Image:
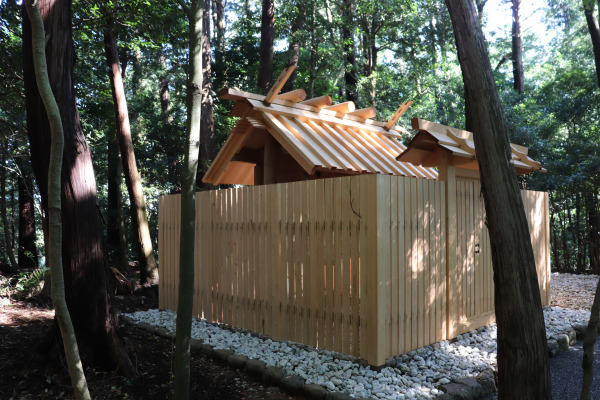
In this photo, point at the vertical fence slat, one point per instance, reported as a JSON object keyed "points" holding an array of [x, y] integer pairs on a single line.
{"points": [[348, 264], [355, 264], [394, 264]]}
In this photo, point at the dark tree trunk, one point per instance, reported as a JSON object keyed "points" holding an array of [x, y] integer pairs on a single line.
{"points": [[579, 236], [594, 227], [85, 272], [522, 349], [564, 240], [115, 226], [517, 48], [314, 45], [591, 334], [294, 48], [554, 243], [170, 152], [218, 10], [350, 74], [8, 241], [207, 130], [265, 66], [594, 35], [137, 203], [27, 249]]}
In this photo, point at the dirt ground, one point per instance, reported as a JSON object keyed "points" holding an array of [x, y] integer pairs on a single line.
{"points": [[25, 373]]}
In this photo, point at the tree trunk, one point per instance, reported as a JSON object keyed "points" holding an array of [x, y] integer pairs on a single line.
{"points": [[350, 74], [517, 48], [522, 349], [208, 147], [3, 209], [594, 227], [554, 243], [594, 33], [65, 324], [265, 67], [579, 236], [165, 105], [85, 272], [219, 28], [27, 249], [294, 47], [139, 216], [188, 202], [314, 46], [591, 333], [115, 226]]}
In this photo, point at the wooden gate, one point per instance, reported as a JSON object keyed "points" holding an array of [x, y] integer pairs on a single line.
{"points": [[474, 288]]}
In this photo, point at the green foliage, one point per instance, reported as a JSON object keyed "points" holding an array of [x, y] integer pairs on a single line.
{"points": [[25, 284]]}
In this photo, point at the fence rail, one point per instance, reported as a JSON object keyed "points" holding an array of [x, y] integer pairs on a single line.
{"points": [[354, 264]]}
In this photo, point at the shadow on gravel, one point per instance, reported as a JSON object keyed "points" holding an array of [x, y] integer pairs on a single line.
{"points": [[566, 373]]}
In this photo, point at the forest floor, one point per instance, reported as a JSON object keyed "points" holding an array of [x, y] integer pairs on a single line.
{"points": [[25, 373]]}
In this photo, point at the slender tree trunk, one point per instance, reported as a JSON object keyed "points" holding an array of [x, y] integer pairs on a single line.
{"points": [[579, 236], [594, 227], [84, 267], [589, 341], [3, 209], [65, 324], [350, 74], [165, 105], [188, 206], [294, 47], [522, 349], [27, 249], [594, 30], [139, 216], [115, 227], [265, 67], [314, 46], [208, 147], [554, 244], [517, 48]]}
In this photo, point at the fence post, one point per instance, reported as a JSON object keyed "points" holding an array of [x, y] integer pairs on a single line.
{"points": [[274, 263], [375, 257], [447, 173]]}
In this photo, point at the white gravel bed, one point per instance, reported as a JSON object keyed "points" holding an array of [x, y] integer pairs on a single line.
{"points": [[415, 375]]}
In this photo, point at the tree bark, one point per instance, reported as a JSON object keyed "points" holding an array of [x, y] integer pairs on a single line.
{"points": [[594, 227], [522, 349], [591, 333], [165, 105], [85, 272], [65, 324], [208, 147], [27, 249], [137, 203], [294, 47], [115, 226], [517, 48], [8, 241], [188, 206], [350, 74], [594, 30], [265, 66], [218, 11]]}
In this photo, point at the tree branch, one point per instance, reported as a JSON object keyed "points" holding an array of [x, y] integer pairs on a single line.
{"points": [[186, 9]]}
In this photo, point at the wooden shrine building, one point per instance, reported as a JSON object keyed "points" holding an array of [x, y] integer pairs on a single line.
{"points": [[339, 236]]}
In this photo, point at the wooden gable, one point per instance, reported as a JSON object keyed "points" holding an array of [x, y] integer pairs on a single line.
{"points": [[434, 141]]}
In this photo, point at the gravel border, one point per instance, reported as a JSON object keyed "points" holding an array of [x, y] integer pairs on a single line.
{"points": [[463, 368]]}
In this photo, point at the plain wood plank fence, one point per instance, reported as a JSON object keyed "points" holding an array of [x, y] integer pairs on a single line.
{"points": [[354, 264]]}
